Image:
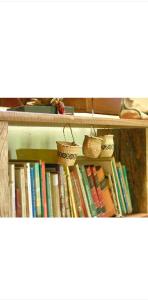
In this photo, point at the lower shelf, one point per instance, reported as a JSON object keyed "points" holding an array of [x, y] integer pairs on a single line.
{"points": [[138, 215]]}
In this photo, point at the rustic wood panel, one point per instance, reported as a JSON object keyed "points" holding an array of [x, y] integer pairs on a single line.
{"points": [[78, 103], [10, 102], [106, 106], [4, 191], [131, 148]]}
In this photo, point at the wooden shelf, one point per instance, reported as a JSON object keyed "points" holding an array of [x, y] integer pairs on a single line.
{"points": [[35, 119], [140, 215]]}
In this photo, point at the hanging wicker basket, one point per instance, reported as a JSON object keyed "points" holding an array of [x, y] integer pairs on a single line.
{"points": [[67, 151], [92, 144]]}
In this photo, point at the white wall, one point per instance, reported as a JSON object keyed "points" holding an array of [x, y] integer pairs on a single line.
{"points": [[40, 137]]}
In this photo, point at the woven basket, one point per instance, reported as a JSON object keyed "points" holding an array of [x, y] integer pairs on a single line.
{"points": [[92, 146], [67, 151]]}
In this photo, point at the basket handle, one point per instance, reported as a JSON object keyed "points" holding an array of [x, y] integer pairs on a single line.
{"points": [[92, 130], [70, 131]]}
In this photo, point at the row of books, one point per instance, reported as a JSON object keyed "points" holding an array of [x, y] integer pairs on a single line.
{"points": [[88, 189]]}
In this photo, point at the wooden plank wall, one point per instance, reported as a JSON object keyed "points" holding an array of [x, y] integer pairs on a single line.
{"points": [[131, 148], [109, 106]]}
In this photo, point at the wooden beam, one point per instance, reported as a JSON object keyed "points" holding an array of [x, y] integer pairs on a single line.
{"points": [[81, 121], [4, 188]]}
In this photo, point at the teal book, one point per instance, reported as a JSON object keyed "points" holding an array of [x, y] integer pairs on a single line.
{"points": [[38, 191], [33, 194], [49, 196], [88, 192], [120, 195], [124, 169], [123, 187]]}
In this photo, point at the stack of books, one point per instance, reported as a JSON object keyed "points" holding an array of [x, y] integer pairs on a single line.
{"points": [[97, 188]]}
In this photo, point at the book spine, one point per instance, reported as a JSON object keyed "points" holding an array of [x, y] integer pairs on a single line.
{"points": [[122, 204], [111, 188], [66, 199], [38, 191], [18, 203], [23, 192], [98, 189], [76, 194], [29, 190], [26, 190], [93, 191], [83, 190], [33, 194], [49, 196], [55, 195], [123, 188], [128, 188], [61, 191], [82, 202], [108, 200], [71, 196], [88, 192], [43, 190]]}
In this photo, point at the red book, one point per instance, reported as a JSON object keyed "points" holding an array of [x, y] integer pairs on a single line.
{"points": [[80, 192], [43, 189], [94, 191]]}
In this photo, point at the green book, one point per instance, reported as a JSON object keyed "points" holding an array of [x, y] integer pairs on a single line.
{"points": [[123, 186], [49, 196], [88, 192], [35, 109], [83, 190], [38, 191]]}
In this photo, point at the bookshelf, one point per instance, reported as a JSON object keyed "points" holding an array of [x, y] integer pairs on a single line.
{"points": [[131, 140]]}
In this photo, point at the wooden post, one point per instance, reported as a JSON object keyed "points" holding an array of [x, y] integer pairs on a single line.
{"points": [[4, 186]]}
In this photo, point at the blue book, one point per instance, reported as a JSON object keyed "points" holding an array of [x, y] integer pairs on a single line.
{"points": [[32, 175]]}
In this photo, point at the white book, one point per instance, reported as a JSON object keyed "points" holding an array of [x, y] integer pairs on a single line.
{"points": [[29, 190], [55, 194]]}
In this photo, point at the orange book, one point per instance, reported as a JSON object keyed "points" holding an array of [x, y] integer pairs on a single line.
{"points": [[108, 201], [98, 188]]}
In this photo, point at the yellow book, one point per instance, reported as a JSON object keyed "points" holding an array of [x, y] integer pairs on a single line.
{"points": [[46, 155], [71, 195]]}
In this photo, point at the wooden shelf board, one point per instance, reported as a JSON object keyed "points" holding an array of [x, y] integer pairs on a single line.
{"points": [[138, 215], [35, 119]]}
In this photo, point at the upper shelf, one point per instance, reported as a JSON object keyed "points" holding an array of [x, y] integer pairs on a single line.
{"points": [[83, 120]]}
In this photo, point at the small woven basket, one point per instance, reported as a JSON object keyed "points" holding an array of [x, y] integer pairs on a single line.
{"points": [[67, 151], [92, 145]]}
